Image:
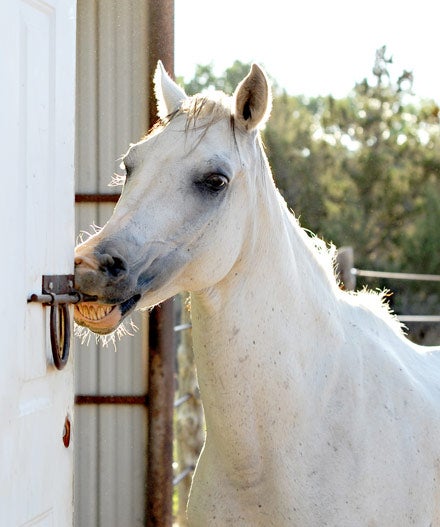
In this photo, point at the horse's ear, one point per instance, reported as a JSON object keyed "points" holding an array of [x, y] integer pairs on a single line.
{"points": [[253, 99], [169, 95]]}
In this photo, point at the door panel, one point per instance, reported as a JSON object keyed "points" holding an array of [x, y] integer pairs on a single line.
{"points": [[37, 43]]}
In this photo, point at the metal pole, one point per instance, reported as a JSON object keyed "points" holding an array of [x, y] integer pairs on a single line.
{"points": [[160, 417], [161, 335], [161, 45]]}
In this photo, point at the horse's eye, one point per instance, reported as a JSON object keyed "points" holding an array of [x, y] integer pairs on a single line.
{"points": [[215, 182]]}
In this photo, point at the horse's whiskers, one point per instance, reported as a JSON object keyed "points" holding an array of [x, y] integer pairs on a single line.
{"points": [[84, 235], [117, 180], [85, 334]]}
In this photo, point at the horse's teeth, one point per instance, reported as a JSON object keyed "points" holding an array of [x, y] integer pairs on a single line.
{"points": [[94, 312]]}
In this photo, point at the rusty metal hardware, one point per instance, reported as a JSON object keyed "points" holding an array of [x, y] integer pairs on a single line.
{"points": [[66, 432], [57, 292]]}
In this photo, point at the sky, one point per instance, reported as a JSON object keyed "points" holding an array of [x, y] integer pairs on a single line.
{"points": [[312, 47]]}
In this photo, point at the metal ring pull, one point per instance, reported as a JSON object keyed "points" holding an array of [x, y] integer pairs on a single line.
{"points": [[57, 292], [60, 334]]}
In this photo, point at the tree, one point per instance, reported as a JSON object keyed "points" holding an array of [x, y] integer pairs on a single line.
{"points": [[204, 78]]}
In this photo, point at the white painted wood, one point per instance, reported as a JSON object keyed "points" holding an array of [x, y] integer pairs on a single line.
{"points": [[112, 87], [37, 91]]}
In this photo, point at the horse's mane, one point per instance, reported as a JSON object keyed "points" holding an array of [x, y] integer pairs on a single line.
{"points": [[324, 254]]}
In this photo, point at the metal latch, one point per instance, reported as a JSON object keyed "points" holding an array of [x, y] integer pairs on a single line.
{"points": [[57, 292]]}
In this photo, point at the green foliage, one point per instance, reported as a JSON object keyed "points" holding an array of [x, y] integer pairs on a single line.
{"points": [[205, 79], [363, 170]]}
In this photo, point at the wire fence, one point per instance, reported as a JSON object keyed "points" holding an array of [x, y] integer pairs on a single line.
{"points": [[396, 276], [348, 274], [431, 319]]}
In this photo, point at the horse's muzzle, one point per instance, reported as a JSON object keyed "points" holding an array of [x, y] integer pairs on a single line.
{"points": [[107, 277]]}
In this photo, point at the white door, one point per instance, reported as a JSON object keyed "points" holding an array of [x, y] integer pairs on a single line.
{"points": [[37, 89]]}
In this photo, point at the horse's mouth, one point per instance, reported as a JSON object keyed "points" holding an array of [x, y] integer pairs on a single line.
{"points": [[103, 318]]}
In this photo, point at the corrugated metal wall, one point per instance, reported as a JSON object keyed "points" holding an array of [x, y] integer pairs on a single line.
{"points": [[112, 99]]}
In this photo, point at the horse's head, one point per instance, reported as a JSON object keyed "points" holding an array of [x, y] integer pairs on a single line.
{"points": [[183, 216]]}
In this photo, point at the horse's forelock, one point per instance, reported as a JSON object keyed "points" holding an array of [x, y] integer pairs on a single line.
{"points": [[202, 112]]}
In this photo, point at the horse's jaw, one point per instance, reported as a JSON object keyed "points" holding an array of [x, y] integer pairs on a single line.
{"points": [[103, 318]]}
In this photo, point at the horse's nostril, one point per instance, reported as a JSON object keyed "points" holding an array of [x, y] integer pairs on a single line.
{"points": [[114, 265]]}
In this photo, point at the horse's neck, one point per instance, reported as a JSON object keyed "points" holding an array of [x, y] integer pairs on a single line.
{"points": [[278, 282], [256, 332]]}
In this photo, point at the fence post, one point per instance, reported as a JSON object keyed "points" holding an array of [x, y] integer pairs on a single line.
{"points": [[344, 266], [160, 417]]}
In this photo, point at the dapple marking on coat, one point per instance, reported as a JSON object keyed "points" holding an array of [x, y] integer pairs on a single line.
{"points": [[319, 412]]}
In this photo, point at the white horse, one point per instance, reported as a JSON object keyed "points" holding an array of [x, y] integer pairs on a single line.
{"points": [[318, 410]]}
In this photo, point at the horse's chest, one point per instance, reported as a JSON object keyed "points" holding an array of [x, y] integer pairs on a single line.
{"points": [[332, 485], [223, 505]]}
